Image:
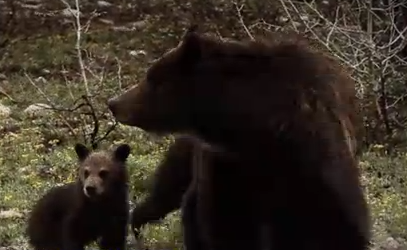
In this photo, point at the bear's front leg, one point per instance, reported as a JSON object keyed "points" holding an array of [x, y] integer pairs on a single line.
{"points": [[226, 210], [114, 235], [70, 236], [191, 232], [72, 245]]}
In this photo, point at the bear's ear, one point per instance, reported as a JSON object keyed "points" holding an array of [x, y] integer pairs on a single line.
{"points": [[191, 44], [122, 152], [81, 151]]}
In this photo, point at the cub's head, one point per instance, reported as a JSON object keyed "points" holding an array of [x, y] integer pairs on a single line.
{"points": [[102, 172]]}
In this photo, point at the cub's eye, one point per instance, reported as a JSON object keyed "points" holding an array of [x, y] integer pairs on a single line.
{"points": [[86, 173], [103, 174]]}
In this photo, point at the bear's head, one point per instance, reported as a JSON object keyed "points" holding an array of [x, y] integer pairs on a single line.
{"points": [[166, 99], [220, 90], [102, 172], [198, 83]]}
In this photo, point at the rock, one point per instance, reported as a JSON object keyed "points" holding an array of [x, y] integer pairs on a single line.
{"points": [[70, 12], [106, 21], [304, 18], [9, 128], [389, 243], [11, 248], [282, 19], [38, 109], [31, 6], [103, 4], [33, 1], [46, 71], [296, 24], [139, 24], [121, 28], [40, 79], [392, 244], [138, 52], [131, 26], [8, 214], [5, 111]]}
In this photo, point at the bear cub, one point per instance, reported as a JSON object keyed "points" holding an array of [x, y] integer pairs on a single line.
{"points": [[94, 207]]}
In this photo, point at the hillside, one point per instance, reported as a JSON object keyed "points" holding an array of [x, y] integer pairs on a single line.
{"points": [[56, 76]]}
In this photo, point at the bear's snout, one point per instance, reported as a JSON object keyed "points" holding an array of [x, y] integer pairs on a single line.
{"points": [[112, 105], [118, 106], [90, 191]]}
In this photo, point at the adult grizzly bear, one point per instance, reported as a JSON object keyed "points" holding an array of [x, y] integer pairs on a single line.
{"points": [[283, 109], [96, 205]]}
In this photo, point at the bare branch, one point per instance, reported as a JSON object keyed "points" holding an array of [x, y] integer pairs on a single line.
{"points": [[239, 14], [282, 2], [119, 73], [96, 125], [51, 104], [8, 24], [78, 41]]}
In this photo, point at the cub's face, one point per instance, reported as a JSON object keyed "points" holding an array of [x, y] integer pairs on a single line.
{"points": [[100, 172]]}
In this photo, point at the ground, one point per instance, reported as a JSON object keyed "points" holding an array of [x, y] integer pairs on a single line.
{"points": [[36, 144]]}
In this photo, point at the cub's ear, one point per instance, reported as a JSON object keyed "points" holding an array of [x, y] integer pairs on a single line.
{"points": [[122, 152], [191, 44], [81, 151]]}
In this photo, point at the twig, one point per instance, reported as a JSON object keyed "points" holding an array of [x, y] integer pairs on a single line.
{"points": [[239, 14], [96, 124], [3, 92], [51, 104], [78, 42], [9, 24], [119, 73], [288, 14], [108, 131]]}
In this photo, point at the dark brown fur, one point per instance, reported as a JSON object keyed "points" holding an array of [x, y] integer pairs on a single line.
{"points": [[288, 113], [71, 216], [170, 181]]}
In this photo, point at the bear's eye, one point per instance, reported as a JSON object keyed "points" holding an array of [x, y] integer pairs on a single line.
{"points": [[86, 173], [154, 78], [103, 174], [151, 80]]}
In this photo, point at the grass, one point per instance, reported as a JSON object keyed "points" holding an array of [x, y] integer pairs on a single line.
{"points": [[26, 174], [38, 154]]}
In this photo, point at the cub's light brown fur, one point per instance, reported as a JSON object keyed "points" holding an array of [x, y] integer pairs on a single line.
{"points": [[96, 205]]}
